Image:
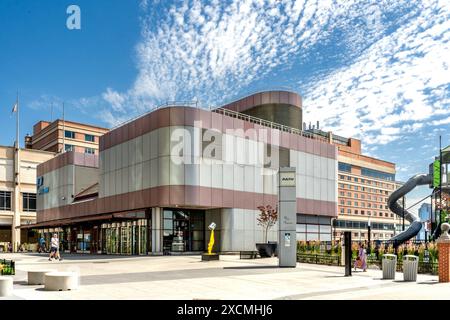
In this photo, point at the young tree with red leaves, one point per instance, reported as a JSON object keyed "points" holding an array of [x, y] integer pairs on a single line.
{"points": [[267, 218]]}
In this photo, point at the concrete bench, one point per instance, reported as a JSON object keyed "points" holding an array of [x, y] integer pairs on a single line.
{"points": [[37, 276], [61, 281], [6, 286]]}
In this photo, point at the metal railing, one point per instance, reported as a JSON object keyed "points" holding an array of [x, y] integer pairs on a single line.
{"points": [[167, 104], [429, 267], [269, 124], [330, 260]]}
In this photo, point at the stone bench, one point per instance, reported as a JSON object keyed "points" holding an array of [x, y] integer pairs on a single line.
{"points": [[36, 277], [60, 281], [6, 286]]}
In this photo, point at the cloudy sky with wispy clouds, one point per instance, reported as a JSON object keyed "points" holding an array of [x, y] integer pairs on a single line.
{"points": [[375, 70]]}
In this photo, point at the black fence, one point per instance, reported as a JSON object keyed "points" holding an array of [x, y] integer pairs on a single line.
{"points": [[7, 267], [330, 260], [335, 260]]}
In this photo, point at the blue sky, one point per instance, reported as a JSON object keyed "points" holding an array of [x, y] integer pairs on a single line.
{"points": [[375, 70]]}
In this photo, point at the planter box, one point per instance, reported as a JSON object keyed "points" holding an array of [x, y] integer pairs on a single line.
{"points": [[266, 250]]}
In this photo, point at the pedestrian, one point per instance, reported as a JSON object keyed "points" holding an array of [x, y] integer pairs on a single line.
{"points": [[42, 244], [361, 259], [54, 251]]}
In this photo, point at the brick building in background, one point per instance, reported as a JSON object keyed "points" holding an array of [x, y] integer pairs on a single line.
{"points": [[364, 185], [63, 135]]}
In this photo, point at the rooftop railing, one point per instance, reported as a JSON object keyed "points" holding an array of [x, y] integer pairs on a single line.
{"points": [[269, 124], [233, 114]]}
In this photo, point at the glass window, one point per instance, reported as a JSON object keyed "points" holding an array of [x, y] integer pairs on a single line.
{"points": [[5, 200], [312, 228], [29, 202], [89, 137], [69, 134], [68, 147], [377, 174], [344, 167], [89, 150]]}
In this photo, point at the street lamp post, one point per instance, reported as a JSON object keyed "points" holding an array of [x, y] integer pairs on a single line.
{"points": [[368, 234]]}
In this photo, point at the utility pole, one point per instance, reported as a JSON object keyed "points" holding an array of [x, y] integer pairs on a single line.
{"points": [[403, 216], [64, 131], [16, 218]]}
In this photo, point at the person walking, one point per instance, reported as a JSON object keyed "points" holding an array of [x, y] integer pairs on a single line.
{"points": [[54, 251], [361, 260], [42, 244]]}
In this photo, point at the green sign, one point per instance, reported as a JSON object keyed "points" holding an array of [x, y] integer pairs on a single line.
{"points": [[436, 173]]}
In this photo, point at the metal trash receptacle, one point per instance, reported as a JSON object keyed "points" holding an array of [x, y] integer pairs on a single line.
{"points": [[389, 265], [410, 267]]}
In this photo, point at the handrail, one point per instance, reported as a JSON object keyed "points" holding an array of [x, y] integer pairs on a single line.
{"points": [[233, 114], [160, 106], [270, 124]]}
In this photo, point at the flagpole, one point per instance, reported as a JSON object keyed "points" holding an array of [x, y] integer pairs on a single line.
{"points": [[16, 218], [64, 132], [17, 122]]}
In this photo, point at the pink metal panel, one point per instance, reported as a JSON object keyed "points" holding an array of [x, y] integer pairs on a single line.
{"points": [[285, 139], [265, 97], [177, 116], [177, 195], [163, 117], [216, 121], [205, 196], [284, 97], [164, 195], [154, 120], [228, 198], [192, 195], [257, 99], [190, 116], [274, 97], [216, 198], [205, 118]]}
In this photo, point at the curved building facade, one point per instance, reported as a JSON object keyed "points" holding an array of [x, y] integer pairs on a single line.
{"points": [[164, 177]]}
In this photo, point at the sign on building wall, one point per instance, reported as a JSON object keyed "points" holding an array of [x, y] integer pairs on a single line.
{"points": [[287, 179]]}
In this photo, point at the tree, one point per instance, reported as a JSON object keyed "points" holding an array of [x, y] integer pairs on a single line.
{"points": [[267, 218]]}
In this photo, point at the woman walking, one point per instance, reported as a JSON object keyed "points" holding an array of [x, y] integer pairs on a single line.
{"points": [[361, 259]]}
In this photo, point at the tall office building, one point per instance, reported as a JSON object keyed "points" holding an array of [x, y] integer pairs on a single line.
{"points": [[63, 135], [364, 185]]}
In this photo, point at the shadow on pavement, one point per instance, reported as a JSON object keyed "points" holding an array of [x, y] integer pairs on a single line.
{"points": [[254, 267]]}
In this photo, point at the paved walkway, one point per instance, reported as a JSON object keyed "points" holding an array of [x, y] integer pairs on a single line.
{"points": [[186, 277]]}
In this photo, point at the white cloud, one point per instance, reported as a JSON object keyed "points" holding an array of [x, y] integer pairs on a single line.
{"points": [[401, 78], [214, 51]]}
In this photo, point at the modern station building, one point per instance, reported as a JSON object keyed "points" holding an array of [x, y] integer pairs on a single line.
{"points": [[161, 179]]}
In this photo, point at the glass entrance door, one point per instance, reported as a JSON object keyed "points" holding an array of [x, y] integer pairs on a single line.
{"points": [[184, 230]]}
